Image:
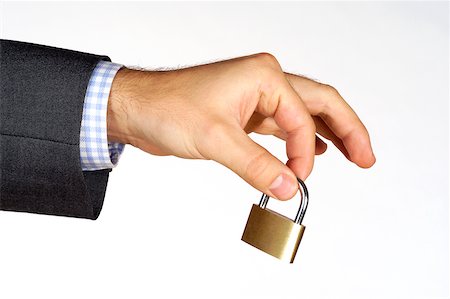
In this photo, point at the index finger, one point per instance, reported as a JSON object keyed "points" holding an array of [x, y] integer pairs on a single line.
{"points": [[281, 102]]}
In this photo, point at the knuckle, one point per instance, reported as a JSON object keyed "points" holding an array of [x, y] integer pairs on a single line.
{"points": [[328, 96], [265, 56], [330, 90], [266, 59], [263, 68]]}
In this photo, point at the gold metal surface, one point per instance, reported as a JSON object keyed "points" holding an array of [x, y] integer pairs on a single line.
{"points": [[273, 233]]}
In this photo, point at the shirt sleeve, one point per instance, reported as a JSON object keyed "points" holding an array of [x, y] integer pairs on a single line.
{"points": [[95, 151]]}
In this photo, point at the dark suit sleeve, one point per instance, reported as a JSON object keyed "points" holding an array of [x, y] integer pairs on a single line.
{"points": [[42, 91]]}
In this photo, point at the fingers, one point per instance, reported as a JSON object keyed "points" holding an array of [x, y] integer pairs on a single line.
{"points": [[326, 132], [252, 162], [324, 101], [291, 115], [267, 126]]}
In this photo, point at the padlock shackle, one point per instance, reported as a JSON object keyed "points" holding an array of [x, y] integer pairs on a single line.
{"points": [[304, 199], [304, 202]]}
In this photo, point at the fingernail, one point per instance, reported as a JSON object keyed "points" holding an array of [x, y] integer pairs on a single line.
{"points": [[283, 187]]}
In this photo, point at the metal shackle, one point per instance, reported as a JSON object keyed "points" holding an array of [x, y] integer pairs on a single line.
{"points": [[304, 198]]}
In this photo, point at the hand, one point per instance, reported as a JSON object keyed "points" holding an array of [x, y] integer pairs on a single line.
{"points": [[205, 112]]}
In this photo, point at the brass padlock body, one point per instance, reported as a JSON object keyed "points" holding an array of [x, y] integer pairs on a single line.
{"points": [[273, 233]]}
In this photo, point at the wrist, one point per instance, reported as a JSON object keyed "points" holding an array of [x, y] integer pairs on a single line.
{"points": [[123, 93]]}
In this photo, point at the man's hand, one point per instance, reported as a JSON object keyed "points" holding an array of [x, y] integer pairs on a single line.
{"points": [[205, 112]]}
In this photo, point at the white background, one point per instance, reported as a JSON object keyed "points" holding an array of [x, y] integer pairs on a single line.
{"points": [[171, 228]]}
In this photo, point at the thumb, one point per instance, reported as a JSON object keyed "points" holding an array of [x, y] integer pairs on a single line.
{"points": [[237, 151]]}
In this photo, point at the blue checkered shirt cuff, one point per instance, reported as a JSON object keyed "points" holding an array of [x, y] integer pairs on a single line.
{"points": [[95, 150]]}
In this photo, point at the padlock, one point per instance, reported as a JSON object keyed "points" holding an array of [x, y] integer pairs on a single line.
{"points": [[274, 233]]}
